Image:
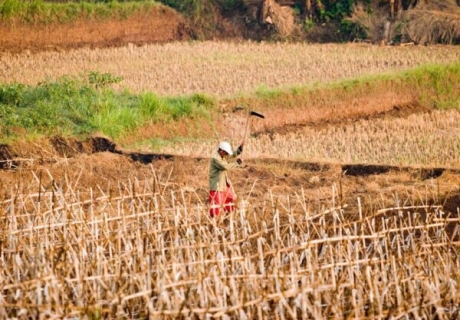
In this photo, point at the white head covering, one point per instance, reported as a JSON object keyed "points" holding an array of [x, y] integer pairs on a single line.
{"points": [[224, 145]]}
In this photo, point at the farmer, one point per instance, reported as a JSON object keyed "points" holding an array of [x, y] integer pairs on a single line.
{"points": [[221, 194]]}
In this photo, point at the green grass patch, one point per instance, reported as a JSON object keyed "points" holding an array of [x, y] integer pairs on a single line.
{"points": [[78, 106], [167, 109], [39, 11], [267, 93], [436, 86], [72, 106]]}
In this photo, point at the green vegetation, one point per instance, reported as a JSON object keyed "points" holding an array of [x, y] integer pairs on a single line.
{"points": [[325, 10], [39, 11], [437, 86], [350, 31], [197, 7], [71, 106], [443, 89], [80, 106], [202, 13]]}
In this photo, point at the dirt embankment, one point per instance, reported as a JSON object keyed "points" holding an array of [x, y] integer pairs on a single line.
{"points": [[424, 23], [159, 24], [99, 164]]}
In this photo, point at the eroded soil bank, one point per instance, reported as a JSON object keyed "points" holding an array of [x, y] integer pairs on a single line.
{"points": [[154, 26], [99, 164]]}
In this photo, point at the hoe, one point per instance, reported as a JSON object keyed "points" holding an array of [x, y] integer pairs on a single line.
{"points": [[251, 113]]}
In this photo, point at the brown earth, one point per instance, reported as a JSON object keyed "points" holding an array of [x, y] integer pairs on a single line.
{"points": [[306, 186], [157, 25]]}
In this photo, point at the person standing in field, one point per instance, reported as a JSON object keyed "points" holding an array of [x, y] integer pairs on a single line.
{"points": [[221, 193]]}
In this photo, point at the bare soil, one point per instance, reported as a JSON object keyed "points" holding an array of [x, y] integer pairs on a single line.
{"points": [[157, 25]]}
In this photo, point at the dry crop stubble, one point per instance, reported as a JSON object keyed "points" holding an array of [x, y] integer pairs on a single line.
{"points": [[145, 244], [429, 139], [221, 68], [140, 252]]}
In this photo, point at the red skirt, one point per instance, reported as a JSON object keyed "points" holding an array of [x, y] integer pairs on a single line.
{"points": [[221, 200]]}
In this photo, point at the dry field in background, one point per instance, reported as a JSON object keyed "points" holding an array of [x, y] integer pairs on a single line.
{"points": [[419, 139], [222, 68]]}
